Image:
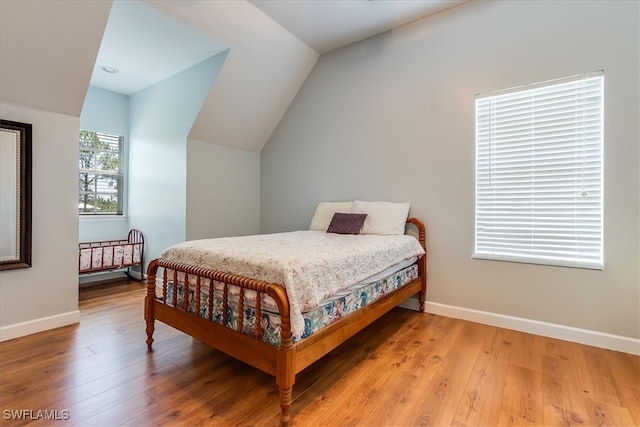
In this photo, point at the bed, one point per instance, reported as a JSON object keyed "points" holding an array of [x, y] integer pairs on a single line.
{"points": [[256, 306], [108, 255]]}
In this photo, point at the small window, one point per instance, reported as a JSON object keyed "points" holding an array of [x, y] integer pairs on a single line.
{"points": [[100, 181], [539, 172]]}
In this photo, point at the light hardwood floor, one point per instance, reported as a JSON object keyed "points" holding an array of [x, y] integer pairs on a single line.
{"points": [[406, 369]]}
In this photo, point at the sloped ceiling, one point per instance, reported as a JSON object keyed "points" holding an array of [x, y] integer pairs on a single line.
{"points": [[47, 51], [325, 25], [146, 46], [273, 47], [264, 69]]}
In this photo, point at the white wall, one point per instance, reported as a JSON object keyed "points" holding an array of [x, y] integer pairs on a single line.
{"points": [[392, 118], [160, 119], [105, 111], [223, 191], [45, 296]]}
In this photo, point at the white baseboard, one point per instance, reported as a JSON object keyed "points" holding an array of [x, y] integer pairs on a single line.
{"points": [[18, 330], [100, 277], [551, 330]]}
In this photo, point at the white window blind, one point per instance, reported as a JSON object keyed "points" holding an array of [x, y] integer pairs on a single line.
{"points": [[101, 173], [539, 157]]}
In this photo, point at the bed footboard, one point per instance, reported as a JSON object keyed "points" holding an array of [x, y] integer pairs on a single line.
{"points": [[184, 297]]}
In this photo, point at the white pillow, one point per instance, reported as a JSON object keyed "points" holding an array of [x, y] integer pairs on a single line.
{"points": [[382, 217], [324, 213]]}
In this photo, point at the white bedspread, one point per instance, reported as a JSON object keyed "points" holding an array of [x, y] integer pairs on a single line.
{"points": [[311, 265]]}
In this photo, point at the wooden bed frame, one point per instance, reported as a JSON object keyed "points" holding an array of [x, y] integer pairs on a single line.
{"points": [[290, 358]]}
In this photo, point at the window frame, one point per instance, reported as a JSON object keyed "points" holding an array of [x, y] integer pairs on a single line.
{"points": [[581, 258], [120, 174]]}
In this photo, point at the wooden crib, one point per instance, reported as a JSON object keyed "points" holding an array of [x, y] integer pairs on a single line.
{"points": [[109, 255]]}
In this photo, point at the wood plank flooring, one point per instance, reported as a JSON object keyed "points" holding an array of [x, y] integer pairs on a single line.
{"points": [[407, 369]]}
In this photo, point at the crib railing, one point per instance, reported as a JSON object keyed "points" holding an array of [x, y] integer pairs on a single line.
{"points": [[109, 255]]}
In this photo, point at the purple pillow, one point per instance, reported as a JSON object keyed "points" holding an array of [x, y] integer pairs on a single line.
{"points": [[346, 223]]}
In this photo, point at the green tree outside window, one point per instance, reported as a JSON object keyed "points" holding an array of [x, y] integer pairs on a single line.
{"points": [[100, 181]]}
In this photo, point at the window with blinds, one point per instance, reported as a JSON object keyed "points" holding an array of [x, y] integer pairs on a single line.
{"points": [[539, 173], [101, 174]]}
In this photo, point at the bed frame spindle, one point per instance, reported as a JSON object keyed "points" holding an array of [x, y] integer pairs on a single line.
{"points": [[241, 310], [198, 295], [258, 317], [225, 303], [164, 285], [212, 287], [185, 293], [174, 289]]}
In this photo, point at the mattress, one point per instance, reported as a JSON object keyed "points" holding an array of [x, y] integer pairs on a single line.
{"points": [[329, 311], [310, 265]]}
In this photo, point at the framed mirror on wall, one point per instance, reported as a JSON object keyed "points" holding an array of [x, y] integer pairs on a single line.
{"points": [[15, 195]]}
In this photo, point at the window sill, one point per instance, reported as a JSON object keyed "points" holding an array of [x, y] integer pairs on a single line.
{"points": [[540, 261], [102, 218]]}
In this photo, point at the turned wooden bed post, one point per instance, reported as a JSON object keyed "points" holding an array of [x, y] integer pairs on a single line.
{"points": [[285, 357], [149, 300], [422, 264]]}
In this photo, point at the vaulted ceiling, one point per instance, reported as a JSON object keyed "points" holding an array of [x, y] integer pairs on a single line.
{"points": [[47, 52], [325, 25], [50, 49]]}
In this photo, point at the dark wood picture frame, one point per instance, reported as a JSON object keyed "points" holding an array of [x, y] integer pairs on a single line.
{"points": [[22, 132]]}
